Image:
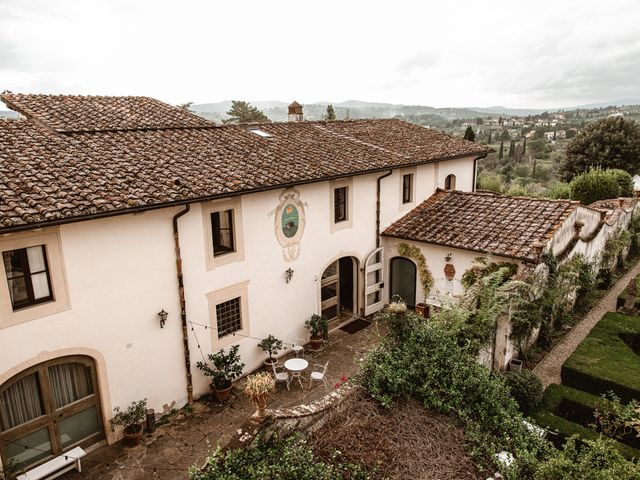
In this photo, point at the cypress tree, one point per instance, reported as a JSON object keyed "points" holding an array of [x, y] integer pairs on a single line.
{"points": [[489, 137], [469, 134], [524, 146], [512, 148], [501, 152]]}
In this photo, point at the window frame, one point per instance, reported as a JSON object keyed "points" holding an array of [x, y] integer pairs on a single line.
{"points": [[407, 190], [449, 180], [217, 297], [342, 204], [217, 235], [207, 209], [27, 275], [237, 302], [59, 289], [51, 415]]}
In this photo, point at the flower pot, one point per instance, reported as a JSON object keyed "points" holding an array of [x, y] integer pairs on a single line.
{"points": [[268, 364], [132, 435], [261, 410], [222, 394], [515, 365], [316, 342]]}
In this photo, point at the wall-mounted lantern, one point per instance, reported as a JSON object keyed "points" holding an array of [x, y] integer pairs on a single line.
{"points": [[288, 275], [162, 315]]}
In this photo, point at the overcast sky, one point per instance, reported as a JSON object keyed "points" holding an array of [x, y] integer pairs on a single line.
{"points": [[441, 53]]}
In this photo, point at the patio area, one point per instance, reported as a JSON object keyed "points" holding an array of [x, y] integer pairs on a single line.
{"points": [[192, 433]]}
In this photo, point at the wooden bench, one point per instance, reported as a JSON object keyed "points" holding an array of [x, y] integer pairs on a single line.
{"points": [[56, 466]]}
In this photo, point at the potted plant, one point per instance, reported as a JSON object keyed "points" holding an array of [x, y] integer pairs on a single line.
{"points": [[259, 387], [224, 369], [272, 346], [318, 326], [131, 419]]}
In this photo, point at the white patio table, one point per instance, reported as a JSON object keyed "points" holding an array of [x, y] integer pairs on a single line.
{"points": [[296, 366]]}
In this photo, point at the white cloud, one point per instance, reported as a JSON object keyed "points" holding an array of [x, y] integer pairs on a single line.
{"points": [[444, 54]]}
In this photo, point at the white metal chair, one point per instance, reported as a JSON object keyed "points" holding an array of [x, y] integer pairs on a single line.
{"points": [[319, 376], [298, 347], [280, 376]]}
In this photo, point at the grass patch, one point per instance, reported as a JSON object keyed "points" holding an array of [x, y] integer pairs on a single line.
{"points": [[605, 361]]}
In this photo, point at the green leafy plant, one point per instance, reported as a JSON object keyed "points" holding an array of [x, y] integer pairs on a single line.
{"points": [[426, 279], [614, 418], [317, 325], [131, 418], [224, 369], [289, 458], [613, 249], [526, 388], [593, 185], [271, 345]]}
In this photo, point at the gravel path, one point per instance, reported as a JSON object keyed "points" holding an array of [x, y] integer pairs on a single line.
{"points": [[549, 368]]}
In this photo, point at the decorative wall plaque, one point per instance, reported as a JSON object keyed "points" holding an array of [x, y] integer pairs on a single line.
{"points": [[289, 223]]}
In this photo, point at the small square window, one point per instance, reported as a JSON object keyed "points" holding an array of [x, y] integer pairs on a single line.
{"points": [[28, 276], [222, 229], [407, 188], [228, 317], [340, 213]]}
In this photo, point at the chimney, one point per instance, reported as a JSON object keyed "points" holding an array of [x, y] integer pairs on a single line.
{"points": [[295, 112]]}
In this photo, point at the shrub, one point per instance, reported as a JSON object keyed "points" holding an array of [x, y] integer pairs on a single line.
{"points": [[624, 181], [283, 459], [558, 190], [594, 185], [526, 388], [490, 181], [604, 361], [595, 460], [225, 367], [429, 364]]}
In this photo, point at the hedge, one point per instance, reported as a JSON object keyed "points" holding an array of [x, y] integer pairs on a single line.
{"points": [[563, 429], [605, 359], [569, 403]]}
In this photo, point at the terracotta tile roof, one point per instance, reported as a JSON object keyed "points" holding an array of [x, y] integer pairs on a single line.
{"points": [[484, 222], [48, 176], [77, 113]]}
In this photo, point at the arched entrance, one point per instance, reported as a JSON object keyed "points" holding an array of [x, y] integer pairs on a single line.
{"points": [[403, 280], [338, 291], [48, 409]]}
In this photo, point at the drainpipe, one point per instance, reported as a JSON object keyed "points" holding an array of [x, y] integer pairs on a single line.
{"points": [[475, 170], [378, 207], [183, 311]]}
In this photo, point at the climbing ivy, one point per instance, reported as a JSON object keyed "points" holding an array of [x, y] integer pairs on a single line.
{"points": [[426, 279], [613, 248]]}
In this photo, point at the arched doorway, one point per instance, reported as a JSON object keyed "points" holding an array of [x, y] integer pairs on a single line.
{"points": [[49, 409], [338, 291], [403, 280], [450, 182]]}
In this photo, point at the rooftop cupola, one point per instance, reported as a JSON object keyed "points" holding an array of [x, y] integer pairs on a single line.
{"points": [[295, 112]]}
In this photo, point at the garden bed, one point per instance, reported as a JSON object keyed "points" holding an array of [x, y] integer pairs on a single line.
{"points": [[407, 441], [605, 360]]}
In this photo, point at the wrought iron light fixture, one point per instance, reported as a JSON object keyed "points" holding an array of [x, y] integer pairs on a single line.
{"points": [[163, 317], [448, 257], [288, 275]]}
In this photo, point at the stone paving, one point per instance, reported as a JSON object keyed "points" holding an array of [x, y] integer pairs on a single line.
{"points": [[548, 370], [190, 437]]}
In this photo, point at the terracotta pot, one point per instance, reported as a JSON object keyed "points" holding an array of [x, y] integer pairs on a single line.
{"points": [[132, 436], [316, 342], [268, 364], [222, 394], [261, 409]]}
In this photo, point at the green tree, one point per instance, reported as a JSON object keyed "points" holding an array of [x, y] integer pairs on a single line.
{"points": [[185, 106], [505, 135], [489, 141], [331, 114], [608, 143], [244, 112], [512, 148], [524, 147], [501, 151], [469, 134], [624, 181], [594, 185]]}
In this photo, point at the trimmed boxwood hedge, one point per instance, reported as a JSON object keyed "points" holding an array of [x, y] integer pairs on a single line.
{"points": [[569, 403], [562, 429], [605, 359]]}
